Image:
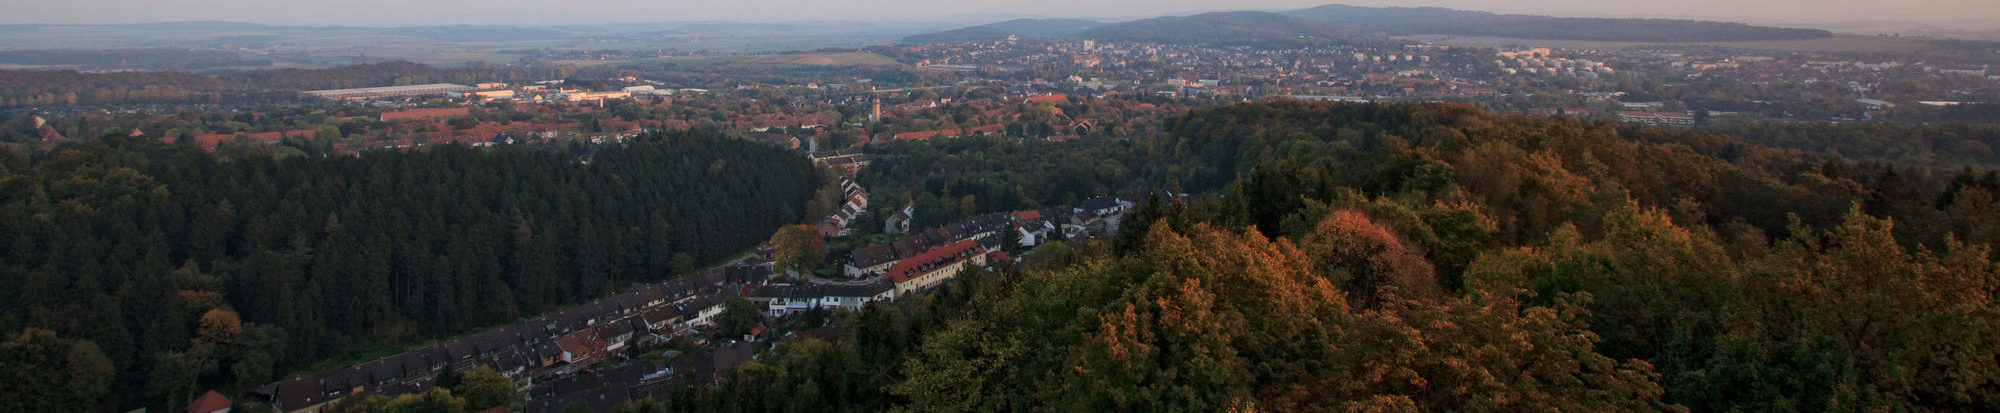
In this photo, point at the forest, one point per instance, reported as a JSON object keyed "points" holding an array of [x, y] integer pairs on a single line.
{"points": [[1432, 257], [141, 272]]}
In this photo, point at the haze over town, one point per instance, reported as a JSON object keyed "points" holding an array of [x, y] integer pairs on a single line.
{"points": [[1960, 13]]}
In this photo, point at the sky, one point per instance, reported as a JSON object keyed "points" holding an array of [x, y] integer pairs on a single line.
{"points": [[529, 12]]}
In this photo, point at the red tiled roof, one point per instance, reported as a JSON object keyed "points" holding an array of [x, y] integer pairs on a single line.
{"points": [[1028, 215], [1055, 98], [208, 402], [921, 264], [582, 344]]}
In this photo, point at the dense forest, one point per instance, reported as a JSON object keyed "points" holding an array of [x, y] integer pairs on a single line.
{"points": [[146, 271], [1431, 257]]}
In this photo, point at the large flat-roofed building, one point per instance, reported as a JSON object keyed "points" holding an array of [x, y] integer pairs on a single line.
{"points": [[390, 91], [586, 96]]}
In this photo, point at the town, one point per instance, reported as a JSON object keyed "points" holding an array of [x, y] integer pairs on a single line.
{"points": [[1064, 90]]}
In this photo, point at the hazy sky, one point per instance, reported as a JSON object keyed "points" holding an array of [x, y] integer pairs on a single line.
{"points": [[412, 12]]}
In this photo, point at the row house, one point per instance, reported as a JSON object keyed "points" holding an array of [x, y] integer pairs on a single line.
{"points": [[785, 300], [926, 271], [558, 343]]}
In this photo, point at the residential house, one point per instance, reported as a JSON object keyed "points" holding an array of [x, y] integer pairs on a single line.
{"points": [[900, 221], [854, 297], [581, 349], [1034, 232], [870, 259], [696, 313]]}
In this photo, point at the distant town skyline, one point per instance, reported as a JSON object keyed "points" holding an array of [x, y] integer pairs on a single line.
{"points": [[532, 12]]}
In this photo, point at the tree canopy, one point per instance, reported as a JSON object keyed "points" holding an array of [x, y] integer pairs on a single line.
{"points": [[194, 271]]}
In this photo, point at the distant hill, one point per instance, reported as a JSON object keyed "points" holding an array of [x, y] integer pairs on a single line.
{"points": [[1395, 21], [1047, 27], [974, 34], [1224, 27], [195, 25], [465, 33], [1334, 21], [1042, 28]]}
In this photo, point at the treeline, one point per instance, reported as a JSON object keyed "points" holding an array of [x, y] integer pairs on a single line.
{"points": [[387, 74], [190, 272], [1942, 144], [44, 88], [142, 59], [1429, 257]]}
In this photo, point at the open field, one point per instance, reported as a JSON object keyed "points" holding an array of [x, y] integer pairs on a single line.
{"points": [[825, 59], [1836, 44]]}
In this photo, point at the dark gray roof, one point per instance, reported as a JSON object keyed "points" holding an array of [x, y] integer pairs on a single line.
{"points": [[872, 255]]}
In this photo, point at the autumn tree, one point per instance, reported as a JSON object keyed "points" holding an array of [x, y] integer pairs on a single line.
{"points": [[220, 327], [1364, 257], [800, 248], [1215, 319]]}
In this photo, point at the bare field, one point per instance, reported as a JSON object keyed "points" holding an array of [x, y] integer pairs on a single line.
{"points": [[1836, 44]]}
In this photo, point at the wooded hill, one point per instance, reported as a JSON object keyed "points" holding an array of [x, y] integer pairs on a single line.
{"points": [[1401, 21], [1431, 257], [1334, 21], [184, 271]]}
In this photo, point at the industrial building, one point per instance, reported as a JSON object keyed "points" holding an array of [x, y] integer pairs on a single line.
{"points": [[390, 91]]}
